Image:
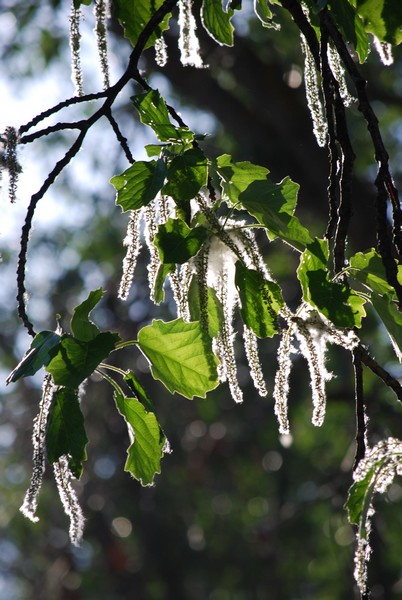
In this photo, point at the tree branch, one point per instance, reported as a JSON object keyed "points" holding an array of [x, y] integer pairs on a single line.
{"points": [[110, 96], [360, 410], [381, 154], [373, 365]]}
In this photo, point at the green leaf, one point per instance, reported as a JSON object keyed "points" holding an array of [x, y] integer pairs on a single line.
{"points": [[368, 268], [177, 242], [76, 360], [81, 327], [140, 393], [236, 177], [147, 448], [153, 112], [65, 434], [264, 13], [153, 150], [261, 301], [217, 22], [186, 174], [383, 18], [359, 500], [341, 305], [139, 184], [43, 347], [271, 204], [214, 307], [181, 356], [78, 3], [163, 272], [392, 318], [351, 26], [135, 14]]}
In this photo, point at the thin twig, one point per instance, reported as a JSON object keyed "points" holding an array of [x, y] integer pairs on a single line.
{"points": [[373, 365], [104, 111], [55, 109], [22, 258], [29, 138], [120, 137]]}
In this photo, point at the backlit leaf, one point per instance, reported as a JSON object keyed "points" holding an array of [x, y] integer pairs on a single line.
{"points": [[138, 390], [139, 184], [181, 356], [134, 16], [41, 350], [65, 434], [261, 301], [163, 272], [368, 268], [186, 174], [383, 18], [236, 177], [351, 25], [272, 204], [153, 112], [177, 242], [76, 360], [81, 327], [392, 318], [264, 13], [148, 443], [359, 499], [336, 301], [217, 21]]}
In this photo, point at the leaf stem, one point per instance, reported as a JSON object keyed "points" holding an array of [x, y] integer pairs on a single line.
{"points": [[109, 379], [125, 344]]}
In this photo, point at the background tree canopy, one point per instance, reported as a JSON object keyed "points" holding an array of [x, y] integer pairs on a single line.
{"points": [[235, 291]]}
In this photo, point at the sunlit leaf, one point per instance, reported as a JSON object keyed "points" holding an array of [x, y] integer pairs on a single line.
{"points": [[391, 316], [217, 21], [148, 443], [177, 242], [139, 184], [76, 360], [264, 13], [336, 301], [181, 356], [383, 18], [81, 327], [368, 268], [236, 177], [153, 112], [41, 350], [65, 434], [351, 25], [134, 16], [138, 390], [163, 271], [359, 500], [272, 205], [247, 185], [261, 301], [186, 174]]}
